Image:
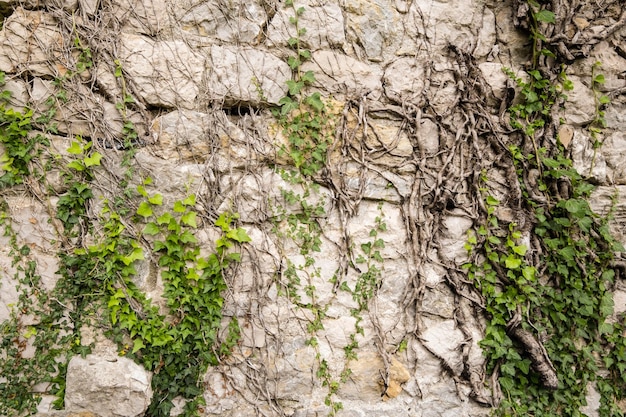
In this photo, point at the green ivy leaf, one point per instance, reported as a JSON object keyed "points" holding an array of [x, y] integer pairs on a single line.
{"points": [[529, 272], [190, 200], [295, 87], [151, 229], [308, 77], [135, 255], [599, 79], [492, 201], [512, 262], [156, 199], [93, 160], [75, 148], [189, 219], [138, 345], [240, 235], [545, 16], [142, 191], [520, 249], [606, 304], [77, 165], [164, 218], [315, 101], [144, 209]]}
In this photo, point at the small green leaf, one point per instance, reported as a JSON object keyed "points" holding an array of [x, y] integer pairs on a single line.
{"points": [[315, 101], [165, 218], [528, 272], [142, 191], [151, 229], [189, 219], [295, 87], [308, 77], [545, 16], [77, 165], [75, 148], [144, 209], [520, 249], [156, 199], [93, 160], [492, 201], [135, 255], [138, 345], [179, 207], [190, 200], [512, 262], [599, 79]]}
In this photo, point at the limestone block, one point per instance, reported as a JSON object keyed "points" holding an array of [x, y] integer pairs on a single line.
{"points": [[444, 340], [373, 26], [238, 21], [593, 399], [366, 383], [147, 17], [324, 26], [19, 94], [116, 387], [84, 112], [580, 104], [182, 135], [428, 137], [454, 237], [614, 152], [486, 36], [258, 196], [615, 115], [338, 73], [462, 23], [66, 5], [32, 41], [495, 77], [439, 301], [386, 142], [364, 221], [64, 413], [292, 373], [219, 395], [246, 75], [405, 80], [164, 73], [612, 66], [601, 202], [583, 157], [443, 94], [8, 294]]}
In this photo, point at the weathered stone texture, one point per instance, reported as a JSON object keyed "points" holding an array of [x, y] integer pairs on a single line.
{"points": [[114, 386], [245, 75], [164, 73], [324, 24], [31, 41]]}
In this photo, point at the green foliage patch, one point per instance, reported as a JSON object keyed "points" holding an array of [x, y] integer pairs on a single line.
{"points": [[547, 283]]}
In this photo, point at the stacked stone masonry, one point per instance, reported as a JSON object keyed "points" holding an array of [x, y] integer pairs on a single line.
{"points": [[204, 75]]}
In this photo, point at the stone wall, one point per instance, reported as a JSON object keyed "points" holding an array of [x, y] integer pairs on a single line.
{"points": [[414, 87]]}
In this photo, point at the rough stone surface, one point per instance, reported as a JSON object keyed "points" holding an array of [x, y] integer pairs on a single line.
{"points": [[165, 73], [116, 387], [244, 75], [324, 25], [226, 21], [31, 40], [338, 73]]}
